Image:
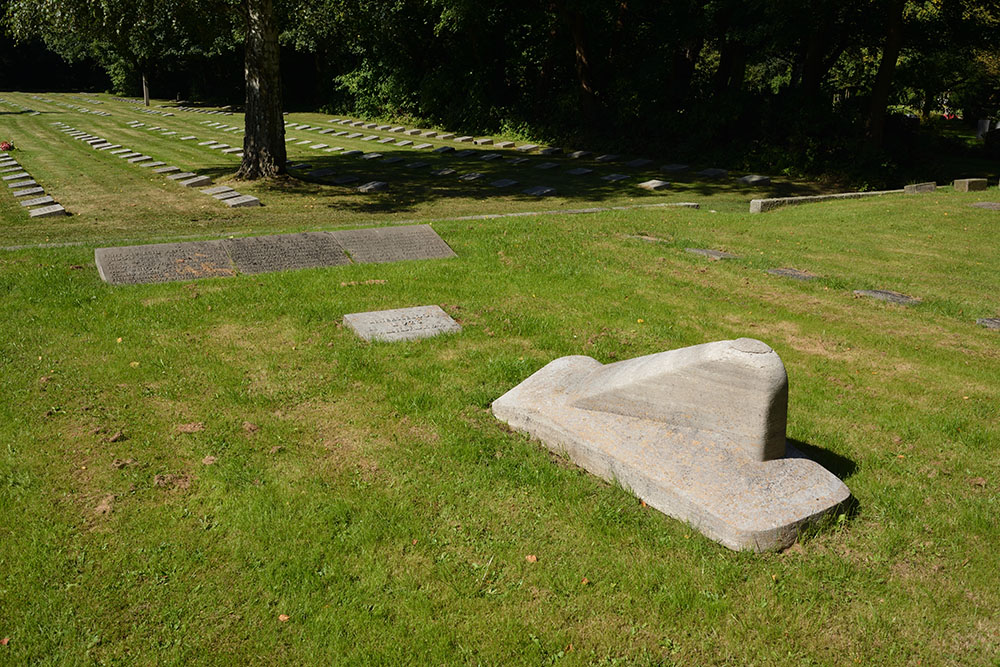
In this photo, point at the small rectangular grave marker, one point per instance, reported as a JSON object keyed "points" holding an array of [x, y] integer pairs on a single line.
{"points": [[392, 160], [352, 153], [16, 176], [21, 184], [446, 136], [483, 142], [794, 274], [654, 184], [551, 150], [988, 205], [373, 186], [196, 181], [181, 175], [241, 201], [614, 177], [218, 189], [579, 171], [444, 149], [29, 191], [547, 165], [471, 176], [989, 322], [608, 157], [371, 156], [504, 144], [712, 172], [139, 158], [344, 180], [754, 180], [421, 147], [401, 323], [640, 162], [669, 168], [38, 201], [404, 142], [166, 170], [47, 211], [463, 140], [526, 148], [539, 191], [417, 164], [503, 183], [888, 295], [443, 172], [576, 155]]}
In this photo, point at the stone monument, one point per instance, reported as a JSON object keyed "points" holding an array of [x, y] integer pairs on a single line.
{"points": [[697, 433]]}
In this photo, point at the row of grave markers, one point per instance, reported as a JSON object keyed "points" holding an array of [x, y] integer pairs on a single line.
{"points": [[189, 179], [20, 183], [797, 274]]}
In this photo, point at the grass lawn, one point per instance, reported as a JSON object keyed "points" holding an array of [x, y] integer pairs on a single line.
{"points": [[218, 471]]}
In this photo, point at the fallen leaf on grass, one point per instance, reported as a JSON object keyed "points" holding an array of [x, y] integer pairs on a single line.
{"points": [[193, 427], [978, 481], [250, 427], [531, 558], [208, 460], [117, 437], [283, 618], [4, 641], [134, 364], [118, 464], [585, 581]]}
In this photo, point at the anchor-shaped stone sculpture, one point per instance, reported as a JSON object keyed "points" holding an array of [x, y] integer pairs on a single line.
{"points": [[698, 433]]}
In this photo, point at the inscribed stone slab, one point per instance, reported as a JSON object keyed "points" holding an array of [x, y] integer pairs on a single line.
{"points": [[579, 171], [610, 157], [503, 183], [483, 142], [393, 244], [755, 180], [283, 252], [471, 176], [989, 322], [504, 144], [218, 189], [47, 211], [654, 184], [401, 323], [794, 274], [640, 162], [240, 201], [988, 205], [392, 160], [37, 201], [21, 184], [418, 164], [20, 174], [181, 175], [444, 149], [163, 262], [139, 158], [29, 191], [488, 157], [576, 155], [443, 172], [196, 181], [166, 170], [404, 142], [614, 177], [888, 295], [526, 148], [421, 147]]}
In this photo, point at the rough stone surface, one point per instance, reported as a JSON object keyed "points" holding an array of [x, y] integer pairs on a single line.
{"points": [[47, 211], [607, 157], [654, 184], [285, 252], [970, 184], [579, 171], [21, 184], [471, 176], [611, 178], [919, 188], [218, 189], [154, 163], [166, 170], [711, 254], [401, 323], [37, 190], [887, 295], [794, 274], [18, 175], [989, 322], [988, 205], [698, 433], [182, 175]]}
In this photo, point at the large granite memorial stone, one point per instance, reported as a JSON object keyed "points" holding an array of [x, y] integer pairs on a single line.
{"points": [[283, 252], [970, 184], [401, 323], [697, 433]]}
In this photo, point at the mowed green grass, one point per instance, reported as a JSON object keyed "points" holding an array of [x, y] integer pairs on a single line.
{"points": [[184, 465]]}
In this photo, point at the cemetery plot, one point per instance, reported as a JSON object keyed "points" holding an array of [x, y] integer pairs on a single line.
{"points": [[402, 324], [210, 259]]}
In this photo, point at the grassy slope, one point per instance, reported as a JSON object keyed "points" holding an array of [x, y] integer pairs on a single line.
{"points": [[380, 505]]}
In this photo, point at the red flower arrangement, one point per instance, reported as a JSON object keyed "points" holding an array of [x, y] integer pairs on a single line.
{"points": [[6, 145]]}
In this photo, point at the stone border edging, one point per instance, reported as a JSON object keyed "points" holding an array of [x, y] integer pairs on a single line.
{"points": [[765, 205]]}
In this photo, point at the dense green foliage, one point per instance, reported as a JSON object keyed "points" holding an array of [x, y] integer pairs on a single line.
{"points": [[820, 86]]}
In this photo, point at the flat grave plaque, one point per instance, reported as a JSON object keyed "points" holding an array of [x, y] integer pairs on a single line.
{"points": [[471, 176], [579, 171], [21, 184], [539, 191], [421, 147], [163, 262], [18, 175], [755, 180], [47, 211], [227, 195], [989, 322], [988, 205], [489, 157], [608, 157], [373, 186], [711, 254], [241, 201], [181, 175], [547, 165], [614, 177], [654, 184], [344, 180], [196, 181], [218, 189], [794, 274], [576, 155], [392, 160], [443, 172], [284, 252], [640, 162], [37, 190], [503, 183], [526, 148], [888, 295], [393, 244], [404, 142], [712, 172], [38, 201], [417, 164], [165, 170], [401, 323], [504, 144]]}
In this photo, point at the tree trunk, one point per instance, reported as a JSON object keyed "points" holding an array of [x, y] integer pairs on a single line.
{"points": [[145, 90], [264, 140], [886, 70]]}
